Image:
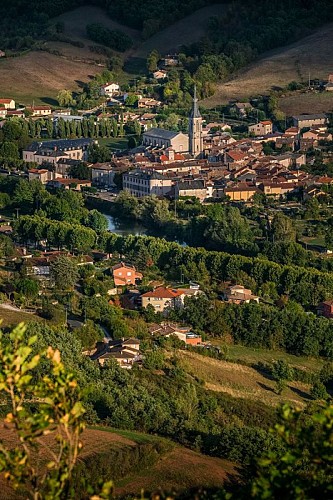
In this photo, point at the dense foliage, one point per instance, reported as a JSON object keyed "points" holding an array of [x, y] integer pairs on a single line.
{"points": [[114, 39]]}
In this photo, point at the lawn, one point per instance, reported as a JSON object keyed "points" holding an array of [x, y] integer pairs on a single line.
{"points": [[114, 143]]}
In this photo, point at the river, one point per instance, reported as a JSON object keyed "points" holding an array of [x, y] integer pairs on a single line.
{"points": [[125, 228]]}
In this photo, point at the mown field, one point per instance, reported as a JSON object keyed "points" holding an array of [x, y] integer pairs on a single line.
{"points": [[275, 69]]}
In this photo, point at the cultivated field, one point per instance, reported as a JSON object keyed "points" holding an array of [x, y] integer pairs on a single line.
{"points": [[242, 381], [277, 68]]}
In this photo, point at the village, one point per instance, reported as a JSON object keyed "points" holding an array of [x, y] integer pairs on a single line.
{"points": [[209, 164], [166, 249]]}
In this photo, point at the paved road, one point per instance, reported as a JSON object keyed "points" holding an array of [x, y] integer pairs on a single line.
{"points": [[106, 333]]}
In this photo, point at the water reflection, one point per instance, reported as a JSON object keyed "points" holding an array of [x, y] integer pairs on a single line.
{"points": [[125, 228]]}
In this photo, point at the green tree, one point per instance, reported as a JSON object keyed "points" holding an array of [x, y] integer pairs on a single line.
{"points": [[304, 468], [152, 61], [97, 221], [28, 287], [98, 154], [131, 142], [65, 98], [59, 413], [282, 228], [318, 391], [9, 150], [80, 171], [64, 272]]}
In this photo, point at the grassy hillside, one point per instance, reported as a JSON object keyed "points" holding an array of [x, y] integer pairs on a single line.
{"points": [[279, 67], [242, 381], [43, 74], [10, 317], [137, 461]]}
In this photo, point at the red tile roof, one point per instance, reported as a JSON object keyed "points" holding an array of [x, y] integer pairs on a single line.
{"points": [[236, 155], [164, 293]]}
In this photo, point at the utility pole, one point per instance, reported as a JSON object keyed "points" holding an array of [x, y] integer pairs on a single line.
{"points": [[175, 208], [17, 212]]}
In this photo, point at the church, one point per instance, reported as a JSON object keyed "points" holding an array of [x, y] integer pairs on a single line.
{"points": [[179, 142]]}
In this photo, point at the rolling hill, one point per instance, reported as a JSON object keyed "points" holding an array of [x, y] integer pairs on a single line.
{"points": [[243, 381], [312, 54], [136, 461], [42, 74], [184, 32]]}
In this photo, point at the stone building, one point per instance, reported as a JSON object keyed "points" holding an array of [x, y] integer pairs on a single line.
{"points": [[160, 138]]}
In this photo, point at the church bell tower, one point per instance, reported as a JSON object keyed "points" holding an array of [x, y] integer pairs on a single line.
{"points": [[195, 129]]}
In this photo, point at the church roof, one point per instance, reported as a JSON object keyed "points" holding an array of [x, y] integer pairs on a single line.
{"points": [[195, 113], [161, 133]]}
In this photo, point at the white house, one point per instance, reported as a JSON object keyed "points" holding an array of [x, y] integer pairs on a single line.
{"points": [[7, 103], [109, 89]]}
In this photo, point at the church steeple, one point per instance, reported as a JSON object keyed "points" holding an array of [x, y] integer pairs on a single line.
{"points": [[195, 128]]}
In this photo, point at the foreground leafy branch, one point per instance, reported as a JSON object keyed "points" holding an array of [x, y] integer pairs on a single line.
{"points": [[45, 420]]}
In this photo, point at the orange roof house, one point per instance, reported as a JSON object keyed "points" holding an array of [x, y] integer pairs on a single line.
{"points": [[7, 103], [165, 299], [125, 274]]}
